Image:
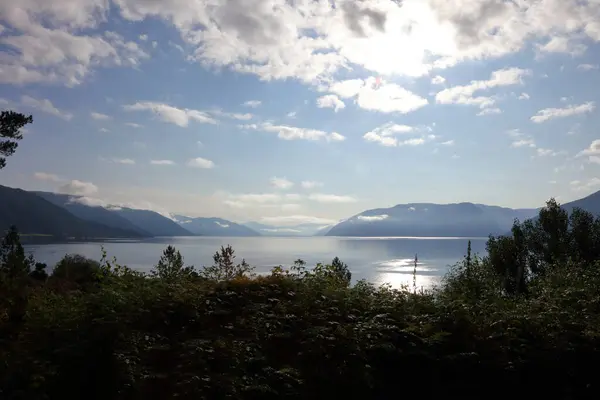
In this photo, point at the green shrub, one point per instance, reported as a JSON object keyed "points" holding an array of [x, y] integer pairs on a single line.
{"points": [[78, 269]]}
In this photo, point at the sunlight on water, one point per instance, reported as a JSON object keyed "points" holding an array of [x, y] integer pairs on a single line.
{"points": [[377, 260], [399, 272]]}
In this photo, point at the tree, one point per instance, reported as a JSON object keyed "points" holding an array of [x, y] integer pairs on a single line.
{"points": [[77, 268], [15, 267], [11, 124], [14, 264], [171, 266], [224, 267]]}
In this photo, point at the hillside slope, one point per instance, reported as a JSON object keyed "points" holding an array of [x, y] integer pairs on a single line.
{"points": [[34, 215], [152, 222], [90, 213]]}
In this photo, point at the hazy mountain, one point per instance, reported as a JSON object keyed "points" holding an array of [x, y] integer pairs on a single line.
{"points": [[33, 214], [97, 214], [213, 226], [589, 203], [431, 220], [152, 222], [296, 230]]}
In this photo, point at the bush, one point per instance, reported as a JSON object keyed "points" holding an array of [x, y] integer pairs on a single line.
{"points": [[78, 269]]}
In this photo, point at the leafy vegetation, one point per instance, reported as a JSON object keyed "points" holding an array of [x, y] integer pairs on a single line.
{"points": [[523, 320], [11, 124]]}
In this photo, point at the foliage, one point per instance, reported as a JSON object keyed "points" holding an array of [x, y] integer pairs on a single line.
{"points": [[171, 267], [78, 269], [11, 124], [525, 319], [225, 268]]}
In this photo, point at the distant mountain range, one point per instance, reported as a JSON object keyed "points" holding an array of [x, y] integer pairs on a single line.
{"points": [[432, 220], [213, 226], [62, 216], [295, 230]]}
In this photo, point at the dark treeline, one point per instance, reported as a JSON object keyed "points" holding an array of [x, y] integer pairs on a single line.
{"points": [[522, 321]]}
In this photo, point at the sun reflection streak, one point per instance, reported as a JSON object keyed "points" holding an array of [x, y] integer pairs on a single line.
{"points": [[399, 273]]}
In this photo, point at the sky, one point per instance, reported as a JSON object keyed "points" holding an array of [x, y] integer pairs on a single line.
{"points": [[293, 111]]}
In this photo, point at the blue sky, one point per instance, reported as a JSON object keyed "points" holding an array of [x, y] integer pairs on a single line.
{"points": [[289, 112]]}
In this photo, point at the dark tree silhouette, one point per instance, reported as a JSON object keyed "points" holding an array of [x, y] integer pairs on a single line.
{"points": [[11, 124]]}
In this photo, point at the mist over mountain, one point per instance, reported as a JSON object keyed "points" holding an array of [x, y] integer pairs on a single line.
{"points": [[213, 226], [293, 230], [34, 215]]}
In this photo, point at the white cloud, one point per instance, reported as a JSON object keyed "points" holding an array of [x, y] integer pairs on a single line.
{"points": [[592, 152], [101, 117], [178, 116], [133, 125], [89, 201], [143, 38], [49, 42], [590, 184], [330, 101], [127, 161], [489, 111], [384, 98], [296, 220], [287, 132], [570, 110], [306, 40], [104, 130], [541, 152], [291, 114], [311, 41], [523, 143], [281, 183], [524, 96], [311, 184], [46, 106], [252, 103], [44, 176], [330, 198], [385, 135], [200, 162], [438, 80], [519, 139], [162, 162], [448, 143], [588, 67], [562, 44], [78, 188], [465, 94], [372, 218]]}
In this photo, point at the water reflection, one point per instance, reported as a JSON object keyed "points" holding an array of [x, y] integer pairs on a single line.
{"points": [[378, 260]]}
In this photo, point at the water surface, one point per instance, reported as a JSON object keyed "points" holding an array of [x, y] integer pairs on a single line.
{"points": [[378, 260]]}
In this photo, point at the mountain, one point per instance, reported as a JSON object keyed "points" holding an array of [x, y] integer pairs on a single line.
{"points": [[214, 226], [589, 203], [296, 230], [432, 220], [152, 222], [33, 214], [97, 214]]}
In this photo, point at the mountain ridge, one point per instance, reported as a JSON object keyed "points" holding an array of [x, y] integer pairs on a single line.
{"points": [[462, 219], [34, 215]]}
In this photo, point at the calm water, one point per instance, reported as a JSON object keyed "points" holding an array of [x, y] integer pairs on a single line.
{"points": [[379, 260]]}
